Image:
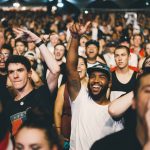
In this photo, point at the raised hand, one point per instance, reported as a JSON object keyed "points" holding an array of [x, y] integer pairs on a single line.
{"points": [[78, 29], [26, 35]]}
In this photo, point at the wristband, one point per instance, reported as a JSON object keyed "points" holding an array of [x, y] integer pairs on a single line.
{"points": [[39, 43]]}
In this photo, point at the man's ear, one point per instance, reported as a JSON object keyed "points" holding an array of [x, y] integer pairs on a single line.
{"points": [[133, 103]]}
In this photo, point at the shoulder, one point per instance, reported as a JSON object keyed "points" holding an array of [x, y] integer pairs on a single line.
{"points": [[113, 141]]}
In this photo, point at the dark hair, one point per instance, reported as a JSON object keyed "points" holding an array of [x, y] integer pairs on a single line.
{"points": [[8, 47], [20, 40], [94, 42], [144, 63], [38, 118], [123, 47], [18, 59], [84, 59], [138, 81], [65, 49], [61, 45]]}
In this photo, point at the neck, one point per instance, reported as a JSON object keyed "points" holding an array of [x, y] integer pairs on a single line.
{"points": [[91, 60], [23, 92], [59, 62], [123, 70], [140, 132], [103, 101]]}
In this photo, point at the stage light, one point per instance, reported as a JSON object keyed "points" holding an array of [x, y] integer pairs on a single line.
{"points": [[16, 4], [60, 3], [86, 12], [147, 3]]}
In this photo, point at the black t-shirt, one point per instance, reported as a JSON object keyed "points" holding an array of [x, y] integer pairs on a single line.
{"points": [[129, 116], [118, 86], [16, 110], [122, 140]]}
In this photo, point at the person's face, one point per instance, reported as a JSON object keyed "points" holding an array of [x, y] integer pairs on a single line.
{"points": [[23, 140], [111, 49], [59, 52], [143, 96], [6, 53], [2, 61], [2, 40], [81, 68], [20, 47], [31, 46], [12, 42], [148, 49], [119, 28], [137, 41], [147, 62], [91, 51], [18, 75], [54, 39], [97, 85], [121, 58], [62, 36], [83, 40]]}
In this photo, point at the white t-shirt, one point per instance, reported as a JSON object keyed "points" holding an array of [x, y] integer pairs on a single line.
{"points": [[90, 122]]}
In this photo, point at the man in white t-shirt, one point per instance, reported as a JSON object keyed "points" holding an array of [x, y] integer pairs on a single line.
{"points": [[89, 105]]}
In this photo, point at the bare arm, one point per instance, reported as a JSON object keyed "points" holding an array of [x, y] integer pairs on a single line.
{"points": [[36, 79], [58, 108], [46, 54], [73, 79], [118, 106]]}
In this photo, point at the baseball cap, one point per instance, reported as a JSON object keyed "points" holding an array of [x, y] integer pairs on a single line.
{"points": [[101, 68], [112, 44], [94, 42], [118, 24], [124, 39]]}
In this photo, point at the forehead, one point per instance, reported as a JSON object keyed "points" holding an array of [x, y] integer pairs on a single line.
{"points": [[4, 50], [60, 47], [91, 45], [38, 136], [19, 43], [99, 73], [80, 60], [14, 66], [120, 50], [145, 82]]}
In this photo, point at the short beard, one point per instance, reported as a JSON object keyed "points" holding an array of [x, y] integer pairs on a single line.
{"points": [[101, 94]]}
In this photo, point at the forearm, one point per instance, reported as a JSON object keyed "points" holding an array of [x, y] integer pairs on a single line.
{"points": [[49, 59], [119, 106], [57, 118], [72, 56]]}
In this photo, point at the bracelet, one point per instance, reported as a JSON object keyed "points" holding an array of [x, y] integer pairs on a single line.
{"points": [[39, 43], [76, 36]]}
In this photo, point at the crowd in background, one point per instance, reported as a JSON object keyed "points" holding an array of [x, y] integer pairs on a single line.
{"points": [[106, 34]]}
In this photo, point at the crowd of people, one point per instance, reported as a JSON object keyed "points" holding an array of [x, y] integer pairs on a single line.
{"points": [[74, 83]]}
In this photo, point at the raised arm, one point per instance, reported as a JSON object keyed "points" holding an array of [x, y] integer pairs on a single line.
{"points": [[73, 79], [46, 54], [118, 106]]}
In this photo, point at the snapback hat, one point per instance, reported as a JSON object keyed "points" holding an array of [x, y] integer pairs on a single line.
{"points": [[101, 68]]}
